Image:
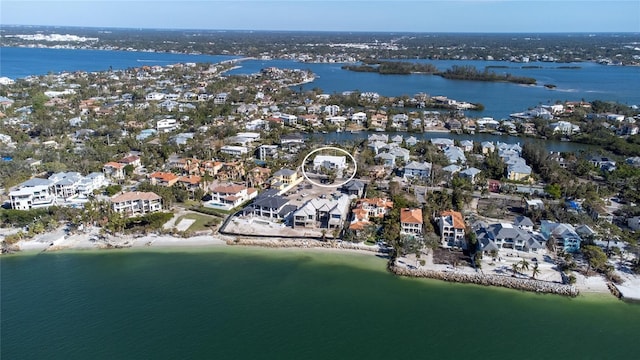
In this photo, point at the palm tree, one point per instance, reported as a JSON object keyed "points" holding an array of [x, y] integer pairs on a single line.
{"points": [[524, 265], [535, 271], [515, 268]]}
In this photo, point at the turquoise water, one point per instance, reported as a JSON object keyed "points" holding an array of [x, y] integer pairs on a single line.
{"points": [[240, 303]]}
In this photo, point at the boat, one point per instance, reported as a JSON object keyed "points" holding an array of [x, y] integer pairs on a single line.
{"points": [[339, 130]]}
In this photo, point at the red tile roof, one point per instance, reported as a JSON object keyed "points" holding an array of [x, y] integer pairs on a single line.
{"points": [[163, 176], [458, 220], [114, 165], [191, 179], [411, 216]]}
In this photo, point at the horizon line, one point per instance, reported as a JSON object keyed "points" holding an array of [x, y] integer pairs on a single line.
{"points": [[321, 31]]}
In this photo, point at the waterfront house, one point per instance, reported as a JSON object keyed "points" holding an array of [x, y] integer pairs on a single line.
{"points": [[603, 163], [563, 236], [466, 145], [65, 183], [359, 118], [523, 222], [487, 147], [329, 213], [33, 193], [442, 143], [136, 203], [384, 138], [378, 121], [397, 139], [452, 229], [365, 209], [411, 221], [269, 205], [229, 196], [411, 141]]}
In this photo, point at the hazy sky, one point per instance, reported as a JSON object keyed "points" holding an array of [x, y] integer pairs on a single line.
{"points": [[333, 15]]}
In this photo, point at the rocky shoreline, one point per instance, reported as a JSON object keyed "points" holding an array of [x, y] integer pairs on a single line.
{"points": [[283, 243], [489, 280]]}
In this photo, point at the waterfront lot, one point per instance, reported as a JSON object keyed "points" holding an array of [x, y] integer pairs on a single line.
{"points": [[298, 196]]}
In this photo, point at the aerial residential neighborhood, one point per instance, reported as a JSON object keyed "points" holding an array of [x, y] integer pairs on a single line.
{"points": [[414, 177]]}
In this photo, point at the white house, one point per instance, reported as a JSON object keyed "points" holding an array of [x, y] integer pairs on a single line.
{"points": [[229, 196], [136, 203], [154, 96], [33, 193], [329, 162], [323, 213], [267, 152], [166, 125], [359, 118], [234, 150]]}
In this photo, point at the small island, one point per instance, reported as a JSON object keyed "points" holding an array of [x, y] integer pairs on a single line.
{"points": [[454, 73]]}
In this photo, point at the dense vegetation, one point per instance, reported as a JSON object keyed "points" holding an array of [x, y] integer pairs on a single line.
{"points": [[394, 68], [458, 72]]}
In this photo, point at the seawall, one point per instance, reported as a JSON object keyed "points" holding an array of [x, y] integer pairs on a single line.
{"points": [[489, 280], [307, 243]]}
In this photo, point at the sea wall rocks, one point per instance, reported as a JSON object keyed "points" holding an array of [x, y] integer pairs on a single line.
{"points": [[285, 243], [489, 280]]}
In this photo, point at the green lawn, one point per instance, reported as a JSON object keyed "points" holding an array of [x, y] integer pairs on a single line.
{"points": [[201, 220]]}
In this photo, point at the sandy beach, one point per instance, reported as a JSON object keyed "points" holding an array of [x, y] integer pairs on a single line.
{"points": [[92, 239]]}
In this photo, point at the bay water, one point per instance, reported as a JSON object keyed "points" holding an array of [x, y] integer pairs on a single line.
{"points": [[574, 82], [245, 303]]}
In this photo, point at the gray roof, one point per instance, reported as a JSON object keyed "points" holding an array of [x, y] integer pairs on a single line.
{"points": [[36, 182], [470, 172], [522, 221], [284, 172], [271, 202]]}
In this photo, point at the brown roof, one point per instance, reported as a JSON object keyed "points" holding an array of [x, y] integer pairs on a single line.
{"points": [[132, 196], [411, 216], [378, 202], [129, 159], [163, 176], [114, 165], [458, 220], [191, 179]]}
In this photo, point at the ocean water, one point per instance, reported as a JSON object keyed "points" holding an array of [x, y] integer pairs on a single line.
{"points": [[590, 82], [243, 303]]}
